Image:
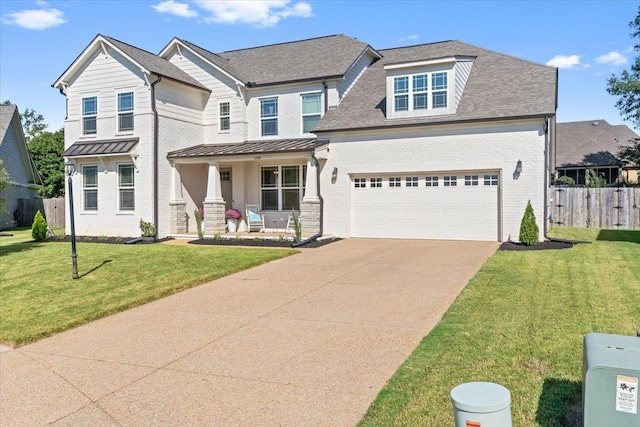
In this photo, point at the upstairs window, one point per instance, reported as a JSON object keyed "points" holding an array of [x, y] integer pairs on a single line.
{"points": [[420, 92], [269, 117], [126, 191], [90, 188], [125, 112], [401, 93], [89, 115], [311, 111], [225, 116], [439, 87]]}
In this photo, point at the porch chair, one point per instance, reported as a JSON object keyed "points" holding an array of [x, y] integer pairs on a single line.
{"points": [[254, 218]]}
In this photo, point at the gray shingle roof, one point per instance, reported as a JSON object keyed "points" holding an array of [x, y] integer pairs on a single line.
{"points": [[155, 64], [499, 86], [309, 59], [100, 147], [6, 114], [586, 144], [249, 147]]}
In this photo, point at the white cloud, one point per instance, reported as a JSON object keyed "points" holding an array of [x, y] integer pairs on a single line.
{"points": [[412, 37], [173, 8], [614, 58], [257, 13], [562, 61], [36, 19]]}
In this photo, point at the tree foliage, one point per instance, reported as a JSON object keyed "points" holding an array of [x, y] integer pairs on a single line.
{"points": [[627, 85], [39, 227], [4, 184], [529, 231], [631, 153], [46, 150], [33, 124]]}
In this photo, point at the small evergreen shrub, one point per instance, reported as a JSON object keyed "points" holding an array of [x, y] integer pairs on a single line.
{"points": [[566, 180], [529, 231], [296, 226], [39, 227]]}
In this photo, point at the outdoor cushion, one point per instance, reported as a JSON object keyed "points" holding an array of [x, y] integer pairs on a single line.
{"points": [[254, 217]]}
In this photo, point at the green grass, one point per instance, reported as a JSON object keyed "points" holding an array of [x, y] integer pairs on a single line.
{"points": [[520, 322], [39, 297]]}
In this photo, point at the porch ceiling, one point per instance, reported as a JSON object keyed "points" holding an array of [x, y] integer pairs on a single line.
{"points": [[247, 147]]}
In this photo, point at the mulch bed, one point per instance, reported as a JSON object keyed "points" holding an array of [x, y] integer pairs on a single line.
{"points": [[260, 243], [102, 239], [540, 246]]}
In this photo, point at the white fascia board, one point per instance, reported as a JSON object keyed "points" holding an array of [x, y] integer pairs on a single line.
{"points": [[97, 43], [363, 53], [178, 43], [420, 63]]}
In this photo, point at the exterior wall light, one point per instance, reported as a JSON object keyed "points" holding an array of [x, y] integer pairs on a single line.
{"points": [[519, 167], [334, 174]]}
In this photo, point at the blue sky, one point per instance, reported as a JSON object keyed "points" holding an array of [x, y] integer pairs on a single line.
{"points": [[587, 40]]}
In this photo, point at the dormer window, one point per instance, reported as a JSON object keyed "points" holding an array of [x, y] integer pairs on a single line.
{"points": [[426, 87]]}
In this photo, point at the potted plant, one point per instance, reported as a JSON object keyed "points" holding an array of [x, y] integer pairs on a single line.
{"points": [[148, 231], [232, 216]]}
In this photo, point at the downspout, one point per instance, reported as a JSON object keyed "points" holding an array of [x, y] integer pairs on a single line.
{"points": [[326, 96], [155, 151], [319, 234]]}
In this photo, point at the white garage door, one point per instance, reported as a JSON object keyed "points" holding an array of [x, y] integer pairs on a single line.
{"points": [[462, 206]]}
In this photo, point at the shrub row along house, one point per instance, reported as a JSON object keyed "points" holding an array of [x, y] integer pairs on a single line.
{"points": [[435, 141]]}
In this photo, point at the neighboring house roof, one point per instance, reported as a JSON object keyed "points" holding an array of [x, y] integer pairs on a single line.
{"points": [[249, 147], [153, 64], [311, 59], [100, 147], [14, 146], [590, 143], [499, 87]]}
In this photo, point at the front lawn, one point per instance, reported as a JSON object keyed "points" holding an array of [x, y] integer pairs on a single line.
{"points": [[520, 322], [39, 297]]}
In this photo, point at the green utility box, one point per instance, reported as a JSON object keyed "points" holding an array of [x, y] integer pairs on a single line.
{"points": [[610, 374]]}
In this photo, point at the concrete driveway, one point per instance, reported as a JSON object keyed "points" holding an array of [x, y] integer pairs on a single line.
{"points": [[307, 340]]}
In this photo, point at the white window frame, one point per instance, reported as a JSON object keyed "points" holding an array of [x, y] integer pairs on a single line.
{"points": [[491, 180], [431, 181], [411, 181], [280, 186], [409, 93], [450, 181], [395, 182], [122, 113], [127, 187], [471, 180], [92, 116], [375, 182], [221, 117], [89, 188], [272, 117], [308, 115], [360, 182]]}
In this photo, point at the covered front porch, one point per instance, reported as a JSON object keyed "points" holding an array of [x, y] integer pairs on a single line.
{"points": [[275, 177]]}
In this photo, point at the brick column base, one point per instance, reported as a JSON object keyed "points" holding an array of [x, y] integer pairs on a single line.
{"points": [[178, 216], [310, 213], [214, 222]]}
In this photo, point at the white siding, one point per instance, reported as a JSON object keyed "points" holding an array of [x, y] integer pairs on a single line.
{"points": [[464, 148], [12, 157], [352, 76], [223, 89], [462, 70]]}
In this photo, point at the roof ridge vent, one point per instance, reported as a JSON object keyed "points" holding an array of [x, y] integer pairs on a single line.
{"points": [[596, 123]]}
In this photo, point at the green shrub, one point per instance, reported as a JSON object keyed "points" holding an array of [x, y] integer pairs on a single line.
{"points": [[39, 228], [529, 231], [296, 226], [566, 180], [594, 180]]}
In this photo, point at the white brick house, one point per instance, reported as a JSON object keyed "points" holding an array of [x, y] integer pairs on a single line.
{"points": [[443, 140]]}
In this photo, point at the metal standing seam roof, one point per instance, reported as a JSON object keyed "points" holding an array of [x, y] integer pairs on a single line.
{"points": [[249, 147], [100, 147], [329, 56], [586, 143], [499, 86]]}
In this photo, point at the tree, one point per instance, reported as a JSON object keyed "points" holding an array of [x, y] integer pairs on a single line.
{"points": [[46, 150], [631, 153], [32, 123], [529, 232], [4, 184]]}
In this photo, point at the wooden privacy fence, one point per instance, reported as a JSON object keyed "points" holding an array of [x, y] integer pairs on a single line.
{"points": [[52, 209], [610, 207]]}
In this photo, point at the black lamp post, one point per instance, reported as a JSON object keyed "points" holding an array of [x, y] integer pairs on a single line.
{"points": [[69, 168]]}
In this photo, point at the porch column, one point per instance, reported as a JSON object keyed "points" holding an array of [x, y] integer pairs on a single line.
{"points": [[213, 204], [177, 205], [310, 205]]}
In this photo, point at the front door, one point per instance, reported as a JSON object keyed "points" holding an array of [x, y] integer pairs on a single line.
{"points": [[225, 183]]}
